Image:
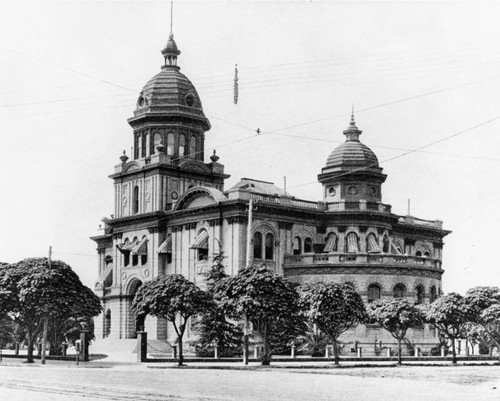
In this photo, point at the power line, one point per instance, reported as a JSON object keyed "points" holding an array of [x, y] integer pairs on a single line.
{"points": [[410, 151]]}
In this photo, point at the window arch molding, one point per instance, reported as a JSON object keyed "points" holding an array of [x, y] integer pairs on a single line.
{"points": [[351, 242], [266, 248], [331, 241], [374, 291], [420, 294], [372, 242], [399, 290], [304, 235]]}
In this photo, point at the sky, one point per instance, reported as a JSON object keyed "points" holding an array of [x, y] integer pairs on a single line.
{"points": [[423, 77]]}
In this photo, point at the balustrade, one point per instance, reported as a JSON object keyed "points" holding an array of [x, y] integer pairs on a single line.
{"points": [[359, 258]]}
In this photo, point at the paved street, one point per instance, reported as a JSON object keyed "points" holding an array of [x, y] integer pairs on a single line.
{"points": [[101, 381]]}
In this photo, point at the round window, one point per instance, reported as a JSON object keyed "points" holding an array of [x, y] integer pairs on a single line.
{"points": [[140, 101], [190, 100], [352, 190], [331, 191]]}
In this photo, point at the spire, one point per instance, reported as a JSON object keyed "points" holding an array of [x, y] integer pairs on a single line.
{"points": [[352, 132], [170, 52]]}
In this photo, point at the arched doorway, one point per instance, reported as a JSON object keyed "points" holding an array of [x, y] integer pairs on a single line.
{"points": [[133, 325]]}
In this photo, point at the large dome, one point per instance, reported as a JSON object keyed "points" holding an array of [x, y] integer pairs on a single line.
{"points": [[352, 153], [170, 87], [170, 93]]}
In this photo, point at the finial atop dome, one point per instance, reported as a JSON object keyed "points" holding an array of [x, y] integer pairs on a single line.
{"points": [[170, 52], [352, 132]]}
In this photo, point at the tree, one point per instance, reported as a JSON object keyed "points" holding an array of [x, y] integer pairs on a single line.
{"points": [[396, 316], [265, 298], [485, 303], [44, 291], [213, 328], [450, 314], [67, 328], [334, 308], [174, 298]]}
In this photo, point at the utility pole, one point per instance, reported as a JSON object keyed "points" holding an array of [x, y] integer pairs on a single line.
{"points": [[46, 320], [249, 243]]}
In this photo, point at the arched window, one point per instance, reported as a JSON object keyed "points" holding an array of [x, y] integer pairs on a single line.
{"points": [[257, 245], [269, 247], [433, 294], [157, 140], [182, 145], [418, 253], [372, 244], [144, 251], [297, 246], [144, 139], [135, 257], [170, 144], [399, 291], [373, 292], [331, 243], [308, 245], [397, 248], [352, 244], [385, 246], [420, 294], [135, 200], [192, 147], [427, 254], [126, 255]]}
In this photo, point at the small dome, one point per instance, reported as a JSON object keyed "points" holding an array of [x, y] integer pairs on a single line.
{"points": [[352, 154]]}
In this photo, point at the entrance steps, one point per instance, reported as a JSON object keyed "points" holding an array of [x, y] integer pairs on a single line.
{"points": [[116, 350], [125, 350]]}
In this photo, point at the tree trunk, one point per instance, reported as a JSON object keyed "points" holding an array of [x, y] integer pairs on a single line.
{"points": [[336, 352], [400, 357], [179, 344], [453, 351], [30, 339]]}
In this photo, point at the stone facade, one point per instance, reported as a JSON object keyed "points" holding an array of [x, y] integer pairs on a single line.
{"points": [[172, 214]]}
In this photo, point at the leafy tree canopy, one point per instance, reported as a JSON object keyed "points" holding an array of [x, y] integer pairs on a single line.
{"points": [[260, 294], [38, 289], [395, 315], [171, 296], [333, 307], [481, 298]]}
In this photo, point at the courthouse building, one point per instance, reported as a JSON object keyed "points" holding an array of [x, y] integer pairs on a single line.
{"points": [[172, 213]]}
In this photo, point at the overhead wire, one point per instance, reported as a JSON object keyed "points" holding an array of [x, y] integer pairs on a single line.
{"points": [[461, 132]]}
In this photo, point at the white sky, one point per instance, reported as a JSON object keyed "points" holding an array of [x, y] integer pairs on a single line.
{"points": [[415, 71]]}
